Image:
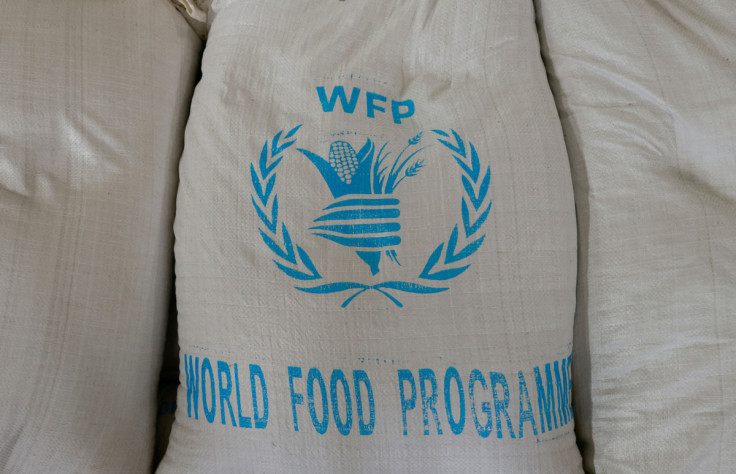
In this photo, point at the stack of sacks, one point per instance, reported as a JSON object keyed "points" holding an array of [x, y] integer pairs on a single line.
{"points": [[94, 98], [647, 97], [375, 244]]}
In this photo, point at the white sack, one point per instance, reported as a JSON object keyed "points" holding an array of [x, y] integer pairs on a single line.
{"points": [[93, 99], [647, 96], [411, 73]]}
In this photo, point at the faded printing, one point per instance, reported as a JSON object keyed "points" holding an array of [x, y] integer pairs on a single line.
{"points": [[364, 211], [363, 179], [429, 402]]}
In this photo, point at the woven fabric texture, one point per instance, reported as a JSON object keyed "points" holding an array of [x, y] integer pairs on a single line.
{"points": [[647, 97], [93, 100], [375, 239]]}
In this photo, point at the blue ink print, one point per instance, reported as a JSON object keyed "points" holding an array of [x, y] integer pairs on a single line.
{"points": [[362, 217], [364, 213]]}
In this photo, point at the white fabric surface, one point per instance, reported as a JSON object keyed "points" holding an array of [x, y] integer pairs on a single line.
{"points": [[93, 99], [473, 67], [647, 97]]}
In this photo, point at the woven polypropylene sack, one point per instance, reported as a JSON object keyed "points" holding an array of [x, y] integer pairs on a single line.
{"points": [[647, 97], [93, 101], [375, 244]]}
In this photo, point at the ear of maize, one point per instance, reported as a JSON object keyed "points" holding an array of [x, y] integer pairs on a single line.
{"points": [[344, 160]]}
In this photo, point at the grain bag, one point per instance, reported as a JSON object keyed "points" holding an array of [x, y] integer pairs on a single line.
{"points": [[647, 97], [375, 244], [93, 100]]}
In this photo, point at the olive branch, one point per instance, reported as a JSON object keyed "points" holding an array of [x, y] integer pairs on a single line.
{"points": [[471, 170], [266, 173]]}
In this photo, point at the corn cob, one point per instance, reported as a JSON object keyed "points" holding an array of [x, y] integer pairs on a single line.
{"points": [[344, 160]]}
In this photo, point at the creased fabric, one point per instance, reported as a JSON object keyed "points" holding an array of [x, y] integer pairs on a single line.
{"points": [[93, 99], [647, 97], [375, 244]]}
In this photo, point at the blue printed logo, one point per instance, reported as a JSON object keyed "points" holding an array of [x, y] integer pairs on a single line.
{"points": [[367, 220], [364, 212]]}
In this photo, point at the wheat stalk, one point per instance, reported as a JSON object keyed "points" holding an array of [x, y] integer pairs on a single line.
{"points": [[413, 170]]}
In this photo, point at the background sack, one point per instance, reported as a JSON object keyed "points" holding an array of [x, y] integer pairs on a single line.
{"points": [[93, 98], [271, 145], [647, 96]]}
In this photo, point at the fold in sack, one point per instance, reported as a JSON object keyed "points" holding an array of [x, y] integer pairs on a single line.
{"points": [[647, 96], [94, 98]]}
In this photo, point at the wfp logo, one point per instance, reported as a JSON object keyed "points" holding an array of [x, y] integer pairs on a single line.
{"points": [[363, 215], [367, 220]]}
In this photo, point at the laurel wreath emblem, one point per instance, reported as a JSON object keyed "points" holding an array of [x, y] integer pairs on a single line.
{"points": [[295, 262]]}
